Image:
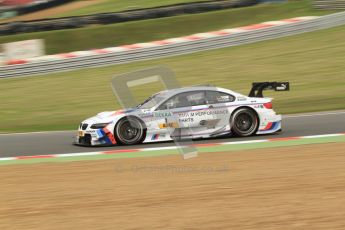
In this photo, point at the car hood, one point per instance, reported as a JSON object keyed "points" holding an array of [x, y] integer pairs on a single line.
{"points": [[109, 116]]}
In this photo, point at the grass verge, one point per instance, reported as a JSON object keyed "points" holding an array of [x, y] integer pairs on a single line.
{"points": [[312, 62], [142, 31]]}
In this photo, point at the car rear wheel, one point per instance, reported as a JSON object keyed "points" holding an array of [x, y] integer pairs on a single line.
{"points": [[129, 131], [244, 122]]}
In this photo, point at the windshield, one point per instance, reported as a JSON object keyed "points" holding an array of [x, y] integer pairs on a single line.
{"points": [[151, 102]]}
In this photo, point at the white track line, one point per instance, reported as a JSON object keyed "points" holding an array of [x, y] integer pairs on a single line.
{"points": [[8, 158], [159, 148], [323, 135], [242, 142]]}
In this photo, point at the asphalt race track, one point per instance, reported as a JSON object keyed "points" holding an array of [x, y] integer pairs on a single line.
{"points": [[46, 143]]}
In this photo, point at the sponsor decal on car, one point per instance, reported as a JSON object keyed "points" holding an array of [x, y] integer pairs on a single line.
{"points": [[260, 106], [188, 119], [241, 99], [169, 125], [162, 114], [210, 112], [223, 98], [109, 136]]}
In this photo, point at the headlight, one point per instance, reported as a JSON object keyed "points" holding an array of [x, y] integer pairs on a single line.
{"points": [[99, 125]]}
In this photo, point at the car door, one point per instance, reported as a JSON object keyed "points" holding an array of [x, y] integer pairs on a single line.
{"points": [[183, 113], [220, 105]]}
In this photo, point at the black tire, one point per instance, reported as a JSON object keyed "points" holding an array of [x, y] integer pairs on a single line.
{"points": [[130, 131], [244, 122]]}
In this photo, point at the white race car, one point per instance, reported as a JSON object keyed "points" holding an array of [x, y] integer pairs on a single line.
{"points": [[186, 113]]}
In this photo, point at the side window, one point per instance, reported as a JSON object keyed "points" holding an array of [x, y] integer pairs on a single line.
{"points": [[184, 100], [214, 97]]}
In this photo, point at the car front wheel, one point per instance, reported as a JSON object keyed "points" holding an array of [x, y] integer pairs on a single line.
{"points": [[129, 131]]}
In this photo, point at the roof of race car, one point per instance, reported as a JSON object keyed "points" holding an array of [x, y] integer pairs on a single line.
{"points": [[171, 92]]}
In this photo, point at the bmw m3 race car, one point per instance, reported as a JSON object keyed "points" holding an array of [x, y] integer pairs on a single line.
{"points": [[186, 113]]}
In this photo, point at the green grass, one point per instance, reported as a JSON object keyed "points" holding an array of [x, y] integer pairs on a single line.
{"points": [[121, 5], [312, 62], [149, 30]]}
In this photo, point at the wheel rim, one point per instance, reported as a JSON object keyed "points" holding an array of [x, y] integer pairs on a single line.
{"points": [[245, 123], [129, 131]]}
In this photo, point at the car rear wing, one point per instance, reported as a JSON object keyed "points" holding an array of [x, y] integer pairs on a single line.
{"points": [[259, 87]]}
